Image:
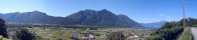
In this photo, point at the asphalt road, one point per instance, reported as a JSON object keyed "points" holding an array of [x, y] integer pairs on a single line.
{"points": [[194, 33]]}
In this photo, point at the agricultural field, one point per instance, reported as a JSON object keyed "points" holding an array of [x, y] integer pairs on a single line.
{"points": [[62, 33]]}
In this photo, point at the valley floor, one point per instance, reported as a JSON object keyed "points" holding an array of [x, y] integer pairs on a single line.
{"points": [[55, 33]]}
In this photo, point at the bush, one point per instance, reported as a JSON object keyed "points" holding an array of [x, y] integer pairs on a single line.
{"points": [[24, 34], [116, 36], [169, 31], [167, 34]]}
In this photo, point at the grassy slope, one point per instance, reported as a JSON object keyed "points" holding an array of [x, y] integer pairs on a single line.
{"points": [[185, 35]]}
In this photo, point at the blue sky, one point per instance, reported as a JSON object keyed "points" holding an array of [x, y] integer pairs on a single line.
{"points": [[142, 11]]}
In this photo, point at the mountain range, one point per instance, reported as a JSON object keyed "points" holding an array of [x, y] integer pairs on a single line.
{"points": [[86, 17]]}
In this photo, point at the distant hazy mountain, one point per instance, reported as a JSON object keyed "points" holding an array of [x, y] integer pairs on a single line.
{"points": [[154, 24], [82, 18]]}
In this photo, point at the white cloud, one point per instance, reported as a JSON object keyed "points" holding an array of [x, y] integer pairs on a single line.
{"points": [[162, 15], [167, 17]]}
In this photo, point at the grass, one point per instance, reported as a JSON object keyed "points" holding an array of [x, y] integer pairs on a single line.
{"points": [[185, 35], [1, 38], [195, 25]]}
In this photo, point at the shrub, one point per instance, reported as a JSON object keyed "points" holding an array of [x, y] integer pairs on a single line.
{"points": [[169, 31], [116, 36], [24, 34]]}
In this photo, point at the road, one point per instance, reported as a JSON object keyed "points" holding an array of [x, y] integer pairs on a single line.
{"points": [[194, 33]]}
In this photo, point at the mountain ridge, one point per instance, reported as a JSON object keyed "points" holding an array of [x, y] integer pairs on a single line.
{"points": [[86, 17]]}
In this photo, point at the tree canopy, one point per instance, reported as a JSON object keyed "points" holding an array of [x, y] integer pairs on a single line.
{"points": [[3, 30]]}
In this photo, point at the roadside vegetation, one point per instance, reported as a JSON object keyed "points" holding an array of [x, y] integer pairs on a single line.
{"points": [[186, 35], [169, 31], [173, 30], [195, 25]]}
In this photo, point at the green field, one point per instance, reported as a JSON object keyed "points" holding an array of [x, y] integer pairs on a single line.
{"points": [[55, 33]]}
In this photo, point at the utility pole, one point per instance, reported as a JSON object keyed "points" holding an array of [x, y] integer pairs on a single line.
{"points": [[183, 12]]}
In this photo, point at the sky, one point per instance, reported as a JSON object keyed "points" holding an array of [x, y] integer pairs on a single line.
{"points": [[142, 11]]}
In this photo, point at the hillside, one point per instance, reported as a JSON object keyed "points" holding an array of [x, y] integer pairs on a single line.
{"points": [[82, 18]]}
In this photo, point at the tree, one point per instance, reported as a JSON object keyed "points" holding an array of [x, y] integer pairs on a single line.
{"points": [[24, 34], [3, 30]]}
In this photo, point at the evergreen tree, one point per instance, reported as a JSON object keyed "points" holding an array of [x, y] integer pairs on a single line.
{"points": [[3, 31], [24, 34]]}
